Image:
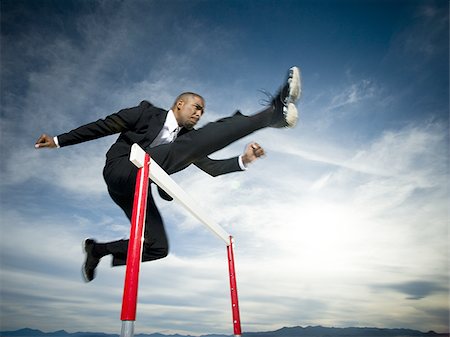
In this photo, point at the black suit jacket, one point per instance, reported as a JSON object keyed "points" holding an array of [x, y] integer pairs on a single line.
{"points": [[141, 125]]}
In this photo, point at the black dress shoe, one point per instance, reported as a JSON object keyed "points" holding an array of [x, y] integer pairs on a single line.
{"points": [[88, 269]]}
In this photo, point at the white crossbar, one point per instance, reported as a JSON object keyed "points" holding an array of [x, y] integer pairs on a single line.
{"points": [[164, 181]]}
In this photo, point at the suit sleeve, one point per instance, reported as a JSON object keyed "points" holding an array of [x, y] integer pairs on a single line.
{"points": [[216, 167], [118, 122]]}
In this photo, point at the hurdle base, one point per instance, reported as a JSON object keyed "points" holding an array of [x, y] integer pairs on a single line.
{"points": [[127, 329]]}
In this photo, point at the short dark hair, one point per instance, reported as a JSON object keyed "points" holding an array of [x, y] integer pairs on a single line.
{"points": [[187, 94]]}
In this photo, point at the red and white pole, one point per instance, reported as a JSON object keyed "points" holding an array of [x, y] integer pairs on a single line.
{"points": [[141, 159], [233, 289], [129, 301]]}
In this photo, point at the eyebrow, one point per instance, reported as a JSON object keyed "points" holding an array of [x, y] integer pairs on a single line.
{"points": [[198, 106]]}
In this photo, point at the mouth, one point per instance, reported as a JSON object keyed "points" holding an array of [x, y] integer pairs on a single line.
{"points": [[191, 122]]}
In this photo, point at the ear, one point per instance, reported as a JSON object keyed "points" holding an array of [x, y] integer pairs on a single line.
{"points": [[180, 104]]}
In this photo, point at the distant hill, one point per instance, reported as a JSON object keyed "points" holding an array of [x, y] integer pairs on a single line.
{"points": [[298, 331], [319, 331]]}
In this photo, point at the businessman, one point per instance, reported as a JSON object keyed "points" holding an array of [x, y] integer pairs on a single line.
{"points": [[172, 141]]}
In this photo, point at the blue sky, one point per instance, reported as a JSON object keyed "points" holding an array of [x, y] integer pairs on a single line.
{"points": [[343, 223]]}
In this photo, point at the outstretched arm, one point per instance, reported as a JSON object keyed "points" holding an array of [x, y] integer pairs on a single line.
{"points": [[45, 141], [121, 121]]}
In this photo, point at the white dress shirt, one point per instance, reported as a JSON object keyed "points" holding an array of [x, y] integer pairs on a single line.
{"points": [[169, 131]]}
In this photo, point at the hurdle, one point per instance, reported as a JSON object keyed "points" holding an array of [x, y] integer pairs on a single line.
{"points": [[149, 169]]}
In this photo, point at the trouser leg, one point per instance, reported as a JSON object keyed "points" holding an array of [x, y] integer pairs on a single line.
{"points": [[155, 244]]}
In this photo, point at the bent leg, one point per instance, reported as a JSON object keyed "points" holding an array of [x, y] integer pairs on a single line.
{"points": [[155, 239]]}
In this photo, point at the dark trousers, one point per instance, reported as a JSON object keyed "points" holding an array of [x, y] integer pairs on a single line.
{"points": [[120, 175]]}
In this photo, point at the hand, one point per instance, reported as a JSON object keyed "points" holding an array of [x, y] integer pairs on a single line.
{"points": [[45, 141], [252, 152]]}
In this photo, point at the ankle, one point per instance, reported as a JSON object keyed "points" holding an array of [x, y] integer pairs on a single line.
{"points": [[264, 117]]}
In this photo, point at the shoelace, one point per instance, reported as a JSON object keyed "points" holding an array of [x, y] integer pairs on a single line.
{"points": [[267, 100]]}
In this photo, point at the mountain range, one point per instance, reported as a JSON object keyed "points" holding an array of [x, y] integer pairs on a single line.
{"points": [[298, 331]]}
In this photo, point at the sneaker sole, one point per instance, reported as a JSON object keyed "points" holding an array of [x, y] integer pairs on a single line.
{"points": [[295, 87], [290, 115]]}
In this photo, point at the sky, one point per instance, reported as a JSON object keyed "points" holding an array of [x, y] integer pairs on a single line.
{"points": [[343, 223]]}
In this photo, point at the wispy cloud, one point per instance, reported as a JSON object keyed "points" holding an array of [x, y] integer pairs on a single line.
{"points": [[416, 290], [342, 210], [356, 217], [354, 93], [423, 37]]}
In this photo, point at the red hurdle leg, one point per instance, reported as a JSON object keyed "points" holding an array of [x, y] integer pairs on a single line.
{"points": [[233, 289], [129, 301]]}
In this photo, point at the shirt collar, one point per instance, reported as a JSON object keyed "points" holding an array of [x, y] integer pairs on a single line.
{"points": [[171, 122]]}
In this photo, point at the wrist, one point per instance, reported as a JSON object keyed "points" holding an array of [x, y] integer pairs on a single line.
{"points": [[242, 163], [55, 140]]}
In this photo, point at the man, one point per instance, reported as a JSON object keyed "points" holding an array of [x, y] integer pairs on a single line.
{"points": [[171, 140]]}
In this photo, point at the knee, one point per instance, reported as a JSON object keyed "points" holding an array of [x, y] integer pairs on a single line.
{"points": [[159, 253], [151, 253], [164, 252]]}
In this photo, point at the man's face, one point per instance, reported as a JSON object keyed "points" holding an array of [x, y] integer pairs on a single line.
{"points": [[188, 111]]}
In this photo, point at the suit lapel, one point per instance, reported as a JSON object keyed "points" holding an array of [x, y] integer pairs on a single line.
{"points": [[155, 122]]}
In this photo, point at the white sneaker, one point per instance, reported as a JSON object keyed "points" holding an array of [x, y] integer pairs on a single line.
{"points": [[294, 85], [285, 111], [290, 115]]}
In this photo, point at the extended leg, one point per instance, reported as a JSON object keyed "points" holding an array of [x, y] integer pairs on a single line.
{"points": [[214, 136]]}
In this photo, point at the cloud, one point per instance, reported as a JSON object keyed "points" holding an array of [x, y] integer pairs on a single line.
{"points": [[72, 84], [353, 94], [327, 212], [415, 290], [418, 55], [423, 38], [356, 217]]}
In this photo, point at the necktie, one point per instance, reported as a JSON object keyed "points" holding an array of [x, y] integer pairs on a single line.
{"points": [[173, 134]]}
